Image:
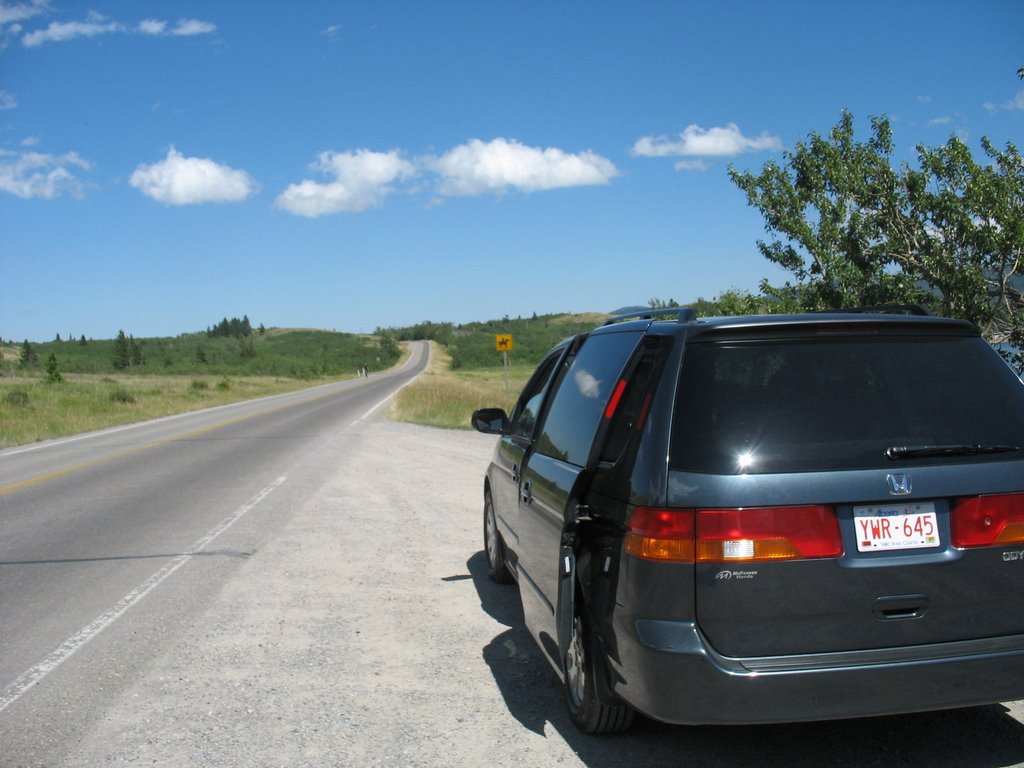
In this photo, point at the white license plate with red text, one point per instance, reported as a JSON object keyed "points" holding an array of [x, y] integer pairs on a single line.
{"points": [[889, 527]]}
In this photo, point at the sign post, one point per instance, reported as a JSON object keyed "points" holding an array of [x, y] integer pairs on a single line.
{"points": [[503, 344]]}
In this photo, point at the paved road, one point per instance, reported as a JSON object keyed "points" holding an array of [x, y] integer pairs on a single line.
{"points": [[345, 619], [92, 527]]}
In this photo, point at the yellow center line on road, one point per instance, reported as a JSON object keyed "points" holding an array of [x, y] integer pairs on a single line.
{"points": [[58, 473]]}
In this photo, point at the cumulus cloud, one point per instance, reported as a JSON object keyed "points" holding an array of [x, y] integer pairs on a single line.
{"points": [[695, 141], [357, 181], [30, 175], [180, 180], [7, 101], [479, 167]]}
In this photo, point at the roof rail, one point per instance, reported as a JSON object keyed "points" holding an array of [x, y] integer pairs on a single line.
{"points": [[685, 314], [892, 309]]}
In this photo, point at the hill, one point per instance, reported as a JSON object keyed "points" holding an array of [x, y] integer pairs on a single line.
{"points": [[472, 345], [301, 354]]}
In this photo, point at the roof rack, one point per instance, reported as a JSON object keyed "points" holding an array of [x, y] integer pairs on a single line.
{"points": [[891, 309], [685, 314]]}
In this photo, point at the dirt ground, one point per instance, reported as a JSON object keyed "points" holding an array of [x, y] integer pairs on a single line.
{"points": [[366, 633]]}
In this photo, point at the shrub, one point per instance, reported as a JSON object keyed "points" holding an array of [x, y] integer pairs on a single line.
{"points": [[17, 397], [122, 395]]}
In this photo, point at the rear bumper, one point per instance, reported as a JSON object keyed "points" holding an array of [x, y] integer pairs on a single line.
{"points": [[668, 671]]}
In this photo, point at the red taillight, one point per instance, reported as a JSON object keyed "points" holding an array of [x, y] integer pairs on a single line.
{"points": [[770, 533], [666, 535], [734, 535], [983, 521]]}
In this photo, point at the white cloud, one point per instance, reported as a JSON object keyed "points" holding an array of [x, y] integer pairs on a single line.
{"points": [[7, 101], [360, 180], [697, 142], [190, 27], [479, 167], [60, 32], [944, 120], [1015, 104], [32, 175], [152, 27], [100, 25], [180, 180], [22, 11]]}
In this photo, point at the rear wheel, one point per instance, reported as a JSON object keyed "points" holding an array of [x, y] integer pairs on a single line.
{"points": [[588, 711], [494, 547]]}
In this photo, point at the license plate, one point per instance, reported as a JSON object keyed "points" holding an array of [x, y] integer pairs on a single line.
{"points": [[889, 527]]}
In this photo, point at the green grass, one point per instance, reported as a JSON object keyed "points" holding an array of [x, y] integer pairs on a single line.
{"points": [[299, 354], [32, 410], [445, 398], [465, 374]]}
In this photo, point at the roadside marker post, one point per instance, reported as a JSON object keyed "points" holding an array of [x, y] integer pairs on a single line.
{"points": [[503, 344]]}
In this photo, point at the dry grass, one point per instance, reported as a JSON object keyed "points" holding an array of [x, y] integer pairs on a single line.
{"points": [[32, 410], [442, 398]]}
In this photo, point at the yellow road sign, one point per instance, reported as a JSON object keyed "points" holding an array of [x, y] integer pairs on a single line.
{"points": [[503, 342]]}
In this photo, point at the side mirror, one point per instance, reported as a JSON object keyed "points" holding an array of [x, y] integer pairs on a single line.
{"points": [[490, 421]]}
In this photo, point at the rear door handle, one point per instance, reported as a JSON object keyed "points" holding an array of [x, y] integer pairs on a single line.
{"points": [[515, 473], [901, 607], [526, 493]]}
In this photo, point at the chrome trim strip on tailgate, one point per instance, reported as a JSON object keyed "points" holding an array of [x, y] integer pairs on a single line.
{"points": [[915, 653]]}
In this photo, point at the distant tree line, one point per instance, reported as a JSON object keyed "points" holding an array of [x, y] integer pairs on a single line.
{"points": [[233, 329]]}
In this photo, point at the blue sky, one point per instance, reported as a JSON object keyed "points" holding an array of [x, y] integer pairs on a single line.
{"points": [[349, 165]]}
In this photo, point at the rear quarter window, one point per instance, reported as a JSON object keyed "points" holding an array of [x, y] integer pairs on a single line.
{"points": [[582, 393], [825, 404]]}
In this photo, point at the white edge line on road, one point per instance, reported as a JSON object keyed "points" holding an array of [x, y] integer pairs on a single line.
{"points": [[80, 639], [372, 410]]}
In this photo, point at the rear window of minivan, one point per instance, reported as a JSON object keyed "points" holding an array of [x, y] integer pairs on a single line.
{"points": [[830, 403]]}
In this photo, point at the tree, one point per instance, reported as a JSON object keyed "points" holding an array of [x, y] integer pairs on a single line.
{"points": [[122, 351], [856, 231], [28, 355], [53, 373], [656, 303], [135, 352]]}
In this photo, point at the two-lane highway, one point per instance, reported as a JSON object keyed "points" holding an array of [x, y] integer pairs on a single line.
{"points": [[107, 540]]}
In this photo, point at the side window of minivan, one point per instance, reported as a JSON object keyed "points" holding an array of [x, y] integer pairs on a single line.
{"points": [[524, 417], [582, 394]]}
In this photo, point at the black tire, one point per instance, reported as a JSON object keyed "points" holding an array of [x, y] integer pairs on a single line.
{"points": [[588, 711], [494, 547]]}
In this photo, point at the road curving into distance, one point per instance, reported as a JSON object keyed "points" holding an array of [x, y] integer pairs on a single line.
{"points": [[94, 529], [303, 584]]}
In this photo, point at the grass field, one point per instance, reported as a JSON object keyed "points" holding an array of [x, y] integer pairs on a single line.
{"points": [[32, 410], [445, 398]]}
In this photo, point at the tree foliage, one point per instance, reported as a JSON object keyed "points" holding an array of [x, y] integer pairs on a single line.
{"points": [[28, 355], [233, 328], [854, 230], [53, 372]]}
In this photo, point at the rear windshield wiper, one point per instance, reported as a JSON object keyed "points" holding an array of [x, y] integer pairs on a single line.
{"points": [[918, 451]]}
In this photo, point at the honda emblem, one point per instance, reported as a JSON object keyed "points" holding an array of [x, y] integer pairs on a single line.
{"points": [[899, 483]]}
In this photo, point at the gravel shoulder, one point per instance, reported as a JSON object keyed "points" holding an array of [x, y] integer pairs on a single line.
{"points": [[366, 633]]}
